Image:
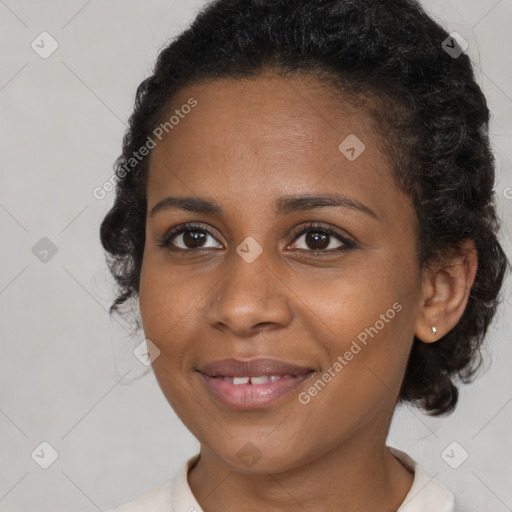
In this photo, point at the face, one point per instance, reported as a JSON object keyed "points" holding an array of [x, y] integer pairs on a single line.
{"points": [[331, 286]]}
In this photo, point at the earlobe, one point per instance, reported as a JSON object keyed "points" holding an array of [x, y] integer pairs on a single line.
{"points": [[446, 289]]}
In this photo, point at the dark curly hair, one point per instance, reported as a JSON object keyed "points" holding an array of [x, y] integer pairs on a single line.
{"points": [[391, 57]]}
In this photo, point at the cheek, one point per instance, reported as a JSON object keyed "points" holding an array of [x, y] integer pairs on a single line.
{"points": [[353, 299], [172, 302], [158, 299], [168, 305], [364, 315], [362, 325]]}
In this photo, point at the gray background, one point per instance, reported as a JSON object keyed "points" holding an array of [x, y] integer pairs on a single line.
{"points": [[67, 372]]}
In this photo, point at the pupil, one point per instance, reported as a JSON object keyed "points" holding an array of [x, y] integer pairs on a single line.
{"points": [[193, 237], [315, 237]]}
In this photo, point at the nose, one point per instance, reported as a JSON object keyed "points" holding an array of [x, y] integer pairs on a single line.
{"points": [[251, 297]]}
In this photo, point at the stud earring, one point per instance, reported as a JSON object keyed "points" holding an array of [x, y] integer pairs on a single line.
{"points": [[434, 330]]}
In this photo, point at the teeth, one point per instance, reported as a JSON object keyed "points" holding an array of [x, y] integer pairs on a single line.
{"points": [[239, 380], [255, 380], [260, 380]]}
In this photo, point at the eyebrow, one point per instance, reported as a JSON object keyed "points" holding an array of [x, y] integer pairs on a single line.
{"points": [[283, 205]]}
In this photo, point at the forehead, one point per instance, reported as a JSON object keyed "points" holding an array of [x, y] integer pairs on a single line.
{"points": [[266, 135], [270, 106]]}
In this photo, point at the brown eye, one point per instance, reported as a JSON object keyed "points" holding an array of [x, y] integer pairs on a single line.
{"points": [[321, 239], [193, 239], [317, 240], [189, 238]]}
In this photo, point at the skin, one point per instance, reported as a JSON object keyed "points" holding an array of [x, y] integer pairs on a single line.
{"points": [[245, 144]]}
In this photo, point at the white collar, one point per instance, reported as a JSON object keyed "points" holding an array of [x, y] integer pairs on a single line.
{"points": [[426, 493]]}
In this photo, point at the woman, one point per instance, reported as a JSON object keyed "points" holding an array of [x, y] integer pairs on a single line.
{"points": [[305, 213]]}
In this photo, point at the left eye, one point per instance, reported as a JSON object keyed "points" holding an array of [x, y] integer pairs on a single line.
{"points": [[319, 239]]}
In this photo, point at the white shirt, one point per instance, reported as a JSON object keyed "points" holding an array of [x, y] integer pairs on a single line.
{"points": [[425, 494]]}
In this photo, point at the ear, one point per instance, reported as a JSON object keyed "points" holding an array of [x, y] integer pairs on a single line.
{"points": [[445, 292]]}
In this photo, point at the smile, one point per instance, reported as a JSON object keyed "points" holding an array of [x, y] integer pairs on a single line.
{"points": [[246, 393], [253, 380]]}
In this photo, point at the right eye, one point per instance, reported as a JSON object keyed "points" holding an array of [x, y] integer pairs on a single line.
{"points": [[189, 237]]}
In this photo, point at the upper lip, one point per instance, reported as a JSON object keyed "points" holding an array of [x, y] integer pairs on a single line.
{"points": [[252, 368]]}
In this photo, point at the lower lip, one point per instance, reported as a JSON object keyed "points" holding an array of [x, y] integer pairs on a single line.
{"points": [[252, 396]]}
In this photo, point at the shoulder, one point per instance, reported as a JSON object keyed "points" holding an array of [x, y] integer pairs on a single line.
{"points": [[426, 494], [174, 494], [157, 499]]}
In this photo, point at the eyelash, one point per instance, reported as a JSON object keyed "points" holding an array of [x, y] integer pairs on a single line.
{"points": [[165, 241]]}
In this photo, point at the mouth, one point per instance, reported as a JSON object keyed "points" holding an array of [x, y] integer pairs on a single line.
{"points": [[262, 367], [263, 379], [252, 384]]}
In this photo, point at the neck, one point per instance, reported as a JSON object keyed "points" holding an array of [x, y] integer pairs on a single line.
{"points": [[356, 476]]}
